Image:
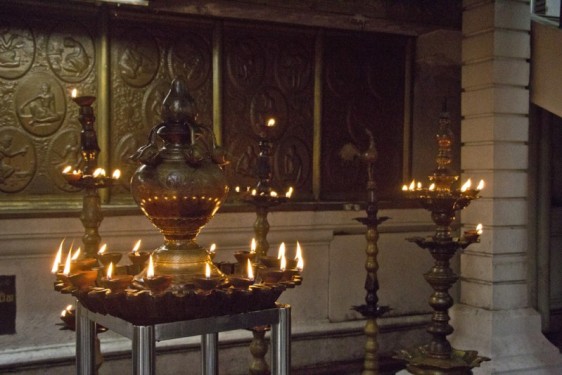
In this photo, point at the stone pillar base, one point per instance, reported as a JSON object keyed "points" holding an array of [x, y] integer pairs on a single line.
{"points": [[511, 338]]}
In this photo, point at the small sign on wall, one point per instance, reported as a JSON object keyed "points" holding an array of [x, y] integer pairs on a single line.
{"points": [[7, 305]]}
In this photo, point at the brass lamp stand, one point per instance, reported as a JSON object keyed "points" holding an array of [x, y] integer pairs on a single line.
{"points": [[89, 178], [263, 197], [371, 310], [442, 199]]}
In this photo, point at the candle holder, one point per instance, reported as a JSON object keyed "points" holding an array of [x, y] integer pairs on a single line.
{"points": [[83, 279], [240, 282], [270, 261], [442, 199], [243, 256], [139, 259], [207, 283], [83, 264], [106, 258], [117, 283], [157, 284], [270, 275]]}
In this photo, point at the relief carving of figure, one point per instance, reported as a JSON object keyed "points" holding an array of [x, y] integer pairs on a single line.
{"points": [[41, 108], [70, 155], [76, 61], [292, 165], [6, 152], [9, 45], [136, 65], [246, 165]]}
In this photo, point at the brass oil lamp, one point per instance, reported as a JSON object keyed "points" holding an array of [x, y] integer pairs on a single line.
{"points": [[180, 186], [443, 199]]}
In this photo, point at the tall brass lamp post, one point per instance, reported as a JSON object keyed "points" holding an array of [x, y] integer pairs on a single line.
{"points": [[443, 199], [371, 310]]}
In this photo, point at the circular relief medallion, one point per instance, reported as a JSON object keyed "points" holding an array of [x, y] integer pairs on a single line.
{"points": [[190, 57], [64, 151], [152, 103], [293, 68], [40, 104], [17, 50], [266, 104], [137, 58], [70, 52], [18, 160], [243, 155], [342, 75], [292, 162], [245, 63]]}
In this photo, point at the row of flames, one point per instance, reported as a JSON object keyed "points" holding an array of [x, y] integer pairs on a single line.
{"points": [[74, 254]]}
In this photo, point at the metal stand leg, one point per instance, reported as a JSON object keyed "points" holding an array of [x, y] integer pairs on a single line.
{"points": [[85, 343], [209, 354], [281, 343], [143, 350]]}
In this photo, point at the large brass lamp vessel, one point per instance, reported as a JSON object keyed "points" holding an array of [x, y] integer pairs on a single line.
{"points": [[180, 185]]}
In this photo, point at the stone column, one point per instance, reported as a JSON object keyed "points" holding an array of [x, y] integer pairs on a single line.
{"points": [[493, 315]]}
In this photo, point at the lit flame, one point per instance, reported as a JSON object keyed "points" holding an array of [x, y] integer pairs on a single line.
{"points": [[207, 271], [66, 270], [67, 169], [289, 192], [480, 185], [102, 248], [150, 271], [404, 187], [116, 174], [300, 264], [466, 185], [412, 185], [109, 272], [419, 186], [253, 246], [479, 229], [74, 93], [237, 189], [76, 254], [281, 252], [431, 187], [58, 259], [283, 263], [254, 192], [273, 193], [136, 247], [270, 123], [213, 248], [250, 270], [298, 254], [99, 172], [66, 311]]}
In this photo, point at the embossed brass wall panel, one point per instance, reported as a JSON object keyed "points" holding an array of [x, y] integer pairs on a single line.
{"points": [[266, 71], [41, 60], [363, 87], [269, 73]]}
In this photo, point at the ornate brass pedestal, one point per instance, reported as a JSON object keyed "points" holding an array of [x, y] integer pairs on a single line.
{"points": [[442, 200]]}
